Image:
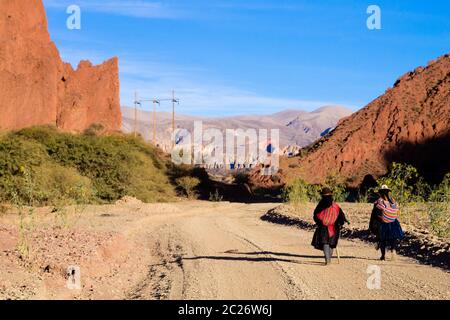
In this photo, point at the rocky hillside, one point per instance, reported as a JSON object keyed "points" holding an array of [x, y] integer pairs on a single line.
{"points": [[38, 88], [409, 123], [319, 122]]}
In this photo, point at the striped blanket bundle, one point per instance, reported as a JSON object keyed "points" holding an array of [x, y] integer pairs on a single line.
{"points": [[390, 210], [329, 217]]}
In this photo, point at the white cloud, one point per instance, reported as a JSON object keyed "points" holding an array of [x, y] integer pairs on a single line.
{"points": [[198, 90], [258, 6], [182, 9]]}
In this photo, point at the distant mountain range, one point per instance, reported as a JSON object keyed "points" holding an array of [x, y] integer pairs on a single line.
{"points": [[297, 127]]}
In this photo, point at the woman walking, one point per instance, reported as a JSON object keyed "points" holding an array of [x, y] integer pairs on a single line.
{"points": [[384, 223], [329, 219]]}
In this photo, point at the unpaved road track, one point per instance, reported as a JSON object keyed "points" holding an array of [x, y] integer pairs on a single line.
{"points": [[226, 252], [200, 250]]}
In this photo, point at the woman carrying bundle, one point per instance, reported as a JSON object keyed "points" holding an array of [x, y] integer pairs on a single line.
{"points": [[329, 219], [384, 223]]}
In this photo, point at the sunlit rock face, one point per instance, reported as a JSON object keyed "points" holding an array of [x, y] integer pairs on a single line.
{"points": [[38, 88]]}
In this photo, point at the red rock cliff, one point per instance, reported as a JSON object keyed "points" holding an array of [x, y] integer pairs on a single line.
{"points": [[410, 123], [37, 88]]}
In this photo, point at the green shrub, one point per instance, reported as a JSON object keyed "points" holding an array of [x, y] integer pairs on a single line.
{"points": [[439, 215], [18, 161], [439, 208], [81, 168], [188, 184], [94, 129], [300, 192], [215, 197], [64, 185], [337, 185], [27, 218], [442, 192], [362, 197], [406, 184], [117, 165]]}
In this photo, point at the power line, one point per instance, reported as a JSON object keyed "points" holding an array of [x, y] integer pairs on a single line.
{"points": [[136, 102], [157, 101]]}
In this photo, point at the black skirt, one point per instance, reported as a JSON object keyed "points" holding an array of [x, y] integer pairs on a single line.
{"points": [[391, 231], [321, 237]]}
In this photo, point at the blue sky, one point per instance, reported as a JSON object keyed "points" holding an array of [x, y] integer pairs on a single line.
{"points": [[227, 57]]}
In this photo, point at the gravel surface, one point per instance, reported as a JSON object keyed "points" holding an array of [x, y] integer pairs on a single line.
{"points": [[196, 250]]}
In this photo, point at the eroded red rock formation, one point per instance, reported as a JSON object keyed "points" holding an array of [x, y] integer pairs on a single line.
{"points": [[415, 112], [409, 123], [38, 88]]}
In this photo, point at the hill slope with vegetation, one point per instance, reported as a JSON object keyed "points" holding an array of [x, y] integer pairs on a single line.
{"points": [[42, 166]]}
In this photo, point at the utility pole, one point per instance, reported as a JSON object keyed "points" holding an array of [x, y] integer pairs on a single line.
{"points": [[155, 101], [174, 100], [135, 113], [173, 113]]}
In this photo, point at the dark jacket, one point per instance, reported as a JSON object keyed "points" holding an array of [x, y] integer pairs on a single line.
{"points": [[374, 224], [321, 235]]}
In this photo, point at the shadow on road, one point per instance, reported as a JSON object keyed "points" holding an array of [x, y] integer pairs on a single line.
{"points": [[263, 256], [292, 255], [252, 259], [299, 255]]}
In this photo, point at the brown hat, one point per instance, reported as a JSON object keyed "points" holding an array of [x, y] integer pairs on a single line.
{"points": [[326, 192]]}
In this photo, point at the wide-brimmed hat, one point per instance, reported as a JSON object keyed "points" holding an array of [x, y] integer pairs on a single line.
{"points": [[384, 188], [326, 192]]}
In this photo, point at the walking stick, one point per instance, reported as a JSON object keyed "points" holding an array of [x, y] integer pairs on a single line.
{"points": [[337, 248], [338, 255]]}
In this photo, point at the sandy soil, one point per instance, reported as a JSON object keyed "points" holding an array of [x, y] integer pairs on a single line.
{"points": [[194, 250]]}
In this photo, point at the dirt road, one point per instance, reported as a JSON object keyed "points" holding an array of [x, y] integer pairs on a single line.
{"points": [[199, 250]]}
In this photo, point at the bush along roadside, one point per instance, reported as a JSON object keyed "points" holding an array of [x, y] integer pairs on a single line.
{"points": [[83, 168]]}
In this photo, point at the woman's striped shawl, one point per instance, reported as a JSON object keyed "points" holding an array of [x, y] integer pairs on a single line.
{"points": [[329, 216], [390, 210]]}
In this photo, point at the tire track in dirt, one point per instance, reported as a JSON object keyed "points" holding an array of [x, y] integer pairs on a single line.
{"points": [[293, 290], [212, 270], [160, 281]]}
